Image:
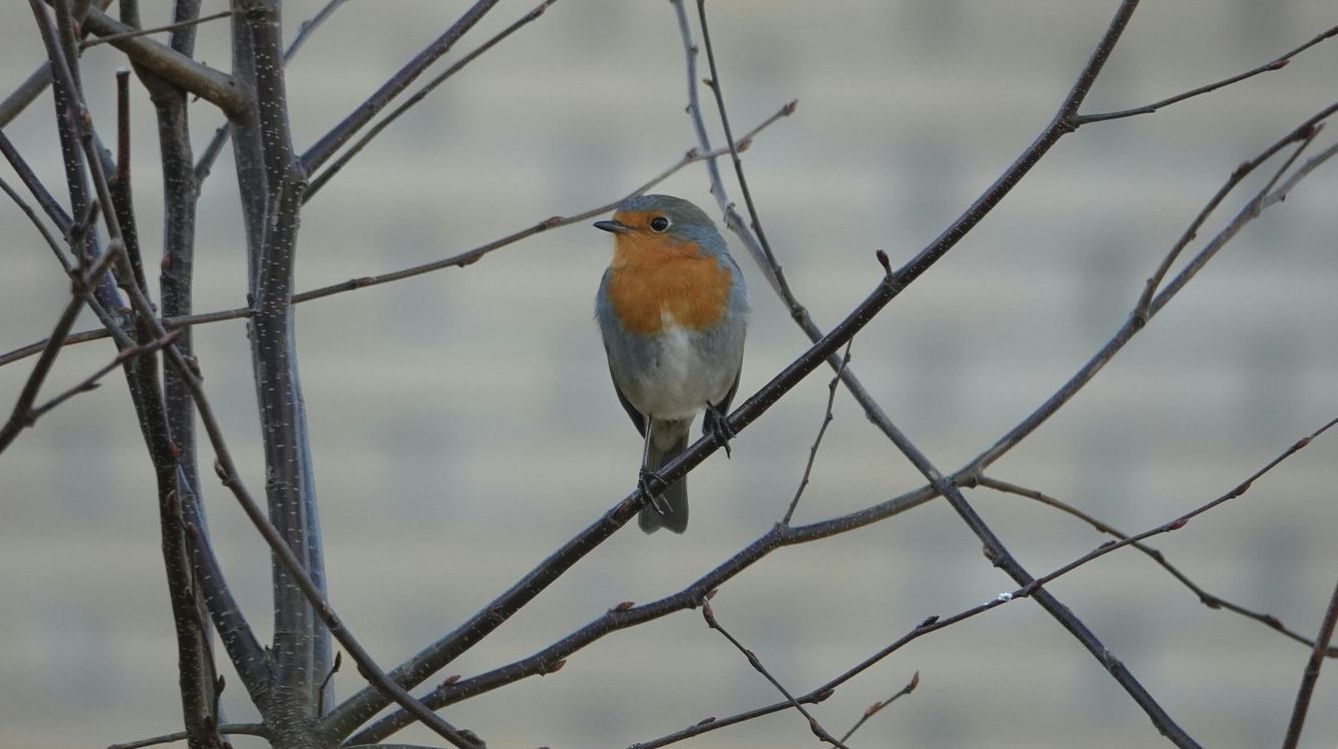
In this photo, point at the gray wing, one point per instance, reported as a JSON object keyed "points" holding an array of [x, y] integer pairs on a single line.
{"points": [[638, 419]]}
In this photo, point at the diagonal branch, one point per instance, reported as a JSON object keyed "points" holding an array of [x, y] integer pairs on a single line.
{"points": [[1311, 674], [323, 149], [238, 729], [319, 180], [40, 193], [756, 663], [817, 441], [155, 30]]}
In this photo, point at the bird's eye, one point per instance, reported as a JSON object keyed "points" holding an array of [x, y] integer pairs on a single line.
{"points": [[659, 224]]}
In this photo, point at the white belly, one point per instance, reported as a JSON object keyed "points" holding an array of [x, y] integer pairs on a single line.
{"points": [[682, 381]]}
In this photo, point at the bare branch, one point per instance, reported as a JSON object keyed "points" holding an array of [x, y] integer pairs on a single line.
{"points": [[877, 707], [237, 729], [1154, 281], [319, 180], [714, 85], [1311, 674], [817, 441], [756, 663], [1276, 63], [22, 415], [211, 85], [90, 383], [45, 233], [324, 148], [1136, 322], [155, 30], [1207, 599], [33, 85], [40, 193], [206, 163]]}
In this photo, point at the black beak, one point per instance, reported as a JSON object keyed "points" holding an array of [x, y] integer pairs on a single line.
{"points": [[613, 227]]}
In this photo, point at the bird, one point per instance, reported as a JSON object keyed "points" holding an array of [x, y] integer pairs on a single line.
{"points": [[672, 308]]}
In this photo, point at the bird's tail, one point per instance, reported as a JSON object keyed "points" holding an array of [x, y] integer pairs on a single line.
{"points": [[670, 509]]}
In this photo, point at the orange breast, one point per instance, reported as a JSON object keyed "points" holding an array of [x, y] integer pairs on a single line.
{"points": [[654, 277]]}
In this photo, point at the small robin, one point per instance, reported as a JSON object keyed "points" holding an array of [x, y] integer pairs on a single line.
{"points": [[673, 310]]}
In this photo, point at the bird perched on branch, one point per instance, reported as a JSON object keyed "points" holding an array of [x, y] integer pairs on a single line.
{"points": [[673, 310]]}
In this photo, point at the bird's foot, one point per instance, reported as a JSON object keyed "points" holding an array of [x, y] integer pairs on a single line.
{"points": [[716, 423], [657, 501]]}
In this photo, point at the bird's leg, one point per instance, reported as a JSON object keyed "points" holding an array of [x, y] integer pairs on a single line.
{"points": [[645, 475], [716, 423]]}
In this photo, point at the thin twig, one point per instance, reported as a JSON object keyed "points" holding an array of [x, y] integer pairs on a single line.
{"points": [[90, 383], [1181, 521], [1237, 176], [47, 236], [319, 180], [21, 415], [817, 441], [877, 707], [709, 615], [715, 86], [1210, 600], [212, 85], [155, 30], [242, 729], [461, 260], [50, 206], [1275, 64], [1311, 673]]}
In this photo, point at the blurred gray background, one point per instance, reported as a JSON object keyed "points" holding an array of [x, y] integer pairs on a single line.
{"points": [[464, 426]]}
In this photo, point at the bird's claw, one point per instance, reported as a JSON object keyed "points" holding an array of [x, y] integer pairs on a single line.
{"points": [[716, 424], [657, 501]]}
